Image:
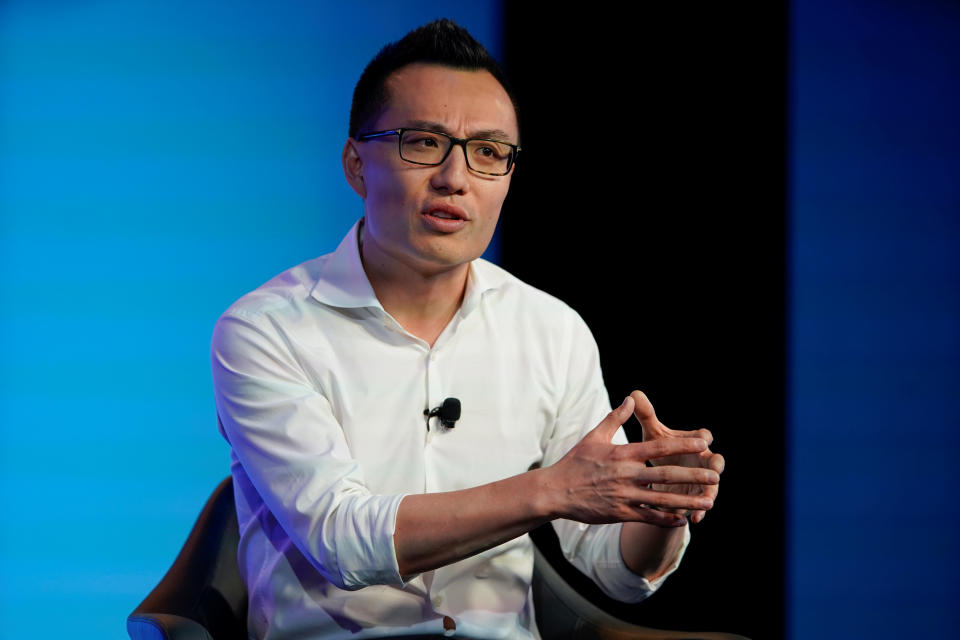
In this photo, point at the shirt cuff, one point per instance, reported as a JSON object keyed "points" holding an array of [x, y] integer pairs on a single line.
{"points": [[623, 584], [364, 546]]}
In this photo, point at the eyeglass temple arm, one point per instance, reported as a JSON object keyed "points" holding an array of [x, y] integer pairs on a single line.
{"points": [[379, 134]]}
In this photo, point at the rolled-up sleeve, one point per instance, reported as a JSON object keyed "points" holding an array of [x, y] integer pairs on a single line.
{"points": [[594, 549], [293, 450]]}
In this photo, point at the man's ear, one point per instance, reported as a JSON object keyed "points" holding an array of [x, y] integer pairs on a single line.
{"points": [[353, 167]]}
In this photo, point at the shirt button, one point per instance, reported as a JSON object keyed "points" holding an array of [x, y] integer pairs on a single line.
{"points": [[449, 626], [437, 601]]}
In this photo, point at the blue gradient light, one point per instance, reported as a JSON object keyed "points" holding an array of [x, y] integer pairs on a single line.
{"points": [[875, 320], [157, 161]]}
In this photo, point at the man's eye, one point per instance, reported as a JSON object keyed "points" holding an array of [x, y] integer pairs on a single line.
{"points": [[491, 151], [425, 142]]}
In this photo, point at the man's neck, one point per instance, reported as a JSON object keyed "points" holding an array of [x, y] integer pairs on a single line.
{"points": [[422, 301]]}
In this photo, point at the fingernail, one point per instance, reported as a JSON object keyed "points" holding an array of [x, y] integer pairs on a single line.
{"points": [[624, 403]]}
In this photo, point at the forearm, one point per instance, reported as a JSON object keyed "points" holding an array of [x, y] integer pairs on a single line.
{"points": [[595, 482], [649, 550], [437, 529]]}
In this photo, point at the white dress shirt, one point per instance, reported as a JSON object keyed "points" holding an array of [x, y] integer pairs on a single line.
{"points": [[321, 394]]}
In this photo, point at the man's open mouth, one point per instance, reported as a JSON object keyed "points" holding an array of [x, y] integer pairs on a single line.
{"points": [[445, 212]]}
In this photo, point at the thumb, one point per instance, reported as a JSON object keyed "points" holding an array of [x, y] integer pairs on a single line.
{"points": [[609, 425], [647, 417]]}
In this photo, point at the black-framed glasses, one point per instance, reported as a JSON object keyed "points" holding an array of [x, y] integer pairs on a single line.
{"points": [[420, 146]]}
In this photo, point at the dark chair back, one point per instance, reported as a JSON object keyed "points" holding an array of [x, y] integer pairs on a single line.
{"points": [[202, 596]]}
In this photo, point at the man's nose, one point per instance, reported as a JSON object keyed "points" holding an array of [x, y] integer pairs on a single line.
{"points": [[452, 176]]}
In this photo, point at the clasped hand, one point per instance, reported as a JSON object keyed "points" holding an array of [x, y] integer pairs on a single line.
{"points": [[603, 482]]}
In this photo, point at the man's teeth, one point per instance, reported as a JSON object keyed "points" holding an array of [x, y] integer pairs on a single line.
{"points": [[443, 214]]}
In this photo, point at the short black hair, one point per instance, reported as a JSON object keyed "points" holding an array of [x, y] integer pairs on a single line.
{"points": [[442, 42]]}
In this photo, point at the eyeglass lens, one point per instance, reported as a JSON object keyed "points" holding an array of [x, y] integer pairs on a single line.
{"points": [[425, 147]]}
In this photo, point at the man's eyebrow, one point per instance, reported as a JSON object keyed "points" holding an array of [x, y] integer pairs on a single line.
{"points": [[492, 134], [484, 134]]}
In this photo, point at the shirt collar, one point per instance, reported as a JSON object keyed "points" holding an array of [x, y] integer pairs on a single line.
{"points": [[483, 277], [342, 282]]}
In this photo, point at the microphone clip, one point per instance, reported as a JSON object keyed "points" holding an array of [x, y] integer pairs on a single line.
{"points": [[448, 413]]}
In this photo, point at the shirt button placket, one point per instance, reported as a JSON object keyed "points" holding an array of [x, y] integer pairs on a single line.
{"points": [[434, 398], [434, 387]]}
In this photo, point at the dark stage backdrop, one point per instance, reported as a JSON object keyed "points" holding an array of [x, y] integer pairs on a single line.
{"points": [[650, 197], [756, 210]]}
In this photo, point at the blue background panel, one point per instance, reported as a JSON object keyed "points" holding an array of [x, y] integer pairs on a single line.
{"points": [[157, 161], [874, 324]]}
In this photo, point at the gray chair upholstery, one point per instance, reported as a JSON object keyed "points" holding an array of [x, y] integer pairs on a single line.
{"points": [[203, 597]]}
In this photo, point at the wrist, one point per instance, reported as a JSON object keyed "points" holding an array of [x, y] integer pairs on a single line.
{"points": [[546, 500], [650, 551]]}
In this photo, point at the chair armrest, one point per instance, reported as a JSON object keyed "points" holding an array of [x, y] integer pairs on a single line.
{"points": [[564, 613], [164, 626]]}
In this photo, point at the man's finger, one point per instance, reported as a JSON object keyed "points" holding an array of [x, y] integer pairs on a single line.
{"points": [[659, 518], [717, 463], [663, 447], [711, 491], [614, 420], [675, 501], [647, 417], [704, 434], [643, 408], [678, 475]]}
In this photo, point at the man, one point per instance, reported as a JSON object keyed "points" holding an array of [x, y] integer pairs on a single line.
{"points": [[360, 515]]}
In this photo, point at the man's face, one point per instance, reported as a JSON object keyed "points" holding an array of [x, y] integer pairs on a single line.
{"points": [[432, 218]]}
